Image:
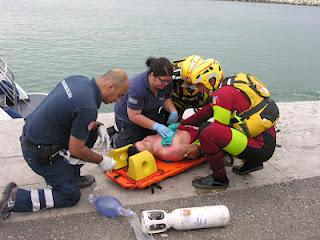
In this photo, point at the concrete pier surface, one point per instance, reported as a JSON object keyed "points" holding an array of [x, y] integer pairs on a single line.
{"points": [[297, 159]]}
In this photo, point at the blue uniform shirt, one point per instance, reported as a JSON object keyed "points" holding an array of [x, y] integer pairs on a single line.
{"points": [[140, 97], [71, 108]]}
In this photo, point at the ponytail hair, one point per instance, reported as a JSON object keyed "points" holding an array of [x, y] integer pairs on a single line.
{"points": [[159, 66]]}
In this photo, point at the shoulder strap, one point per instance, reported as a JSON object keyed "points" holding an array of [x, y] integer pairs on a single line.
{"points": [[228, 81], [252, 85], [255, 109]]}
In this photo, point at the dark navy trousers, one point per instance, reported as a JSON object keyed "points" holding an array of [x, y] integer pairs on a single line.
{"points": [[62, 180]]}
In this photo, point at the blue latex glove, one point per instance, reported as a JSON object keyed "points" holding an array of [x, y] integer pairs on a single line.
{"points": [[167, 141], [162, 130], [173, 117]]}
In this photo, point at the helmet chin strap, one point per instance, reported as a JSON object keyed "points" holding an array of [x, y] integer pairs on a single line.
{"points": [[212, 82]]}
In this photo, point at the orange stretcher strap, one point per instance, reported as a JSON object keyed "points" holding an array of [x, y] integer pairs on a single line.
{"points": [[165, 169]]}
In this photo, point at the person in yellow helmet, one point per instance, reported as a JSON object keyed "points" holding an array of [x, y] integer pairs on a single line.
{"points": [[243, 125], [184, 95]]}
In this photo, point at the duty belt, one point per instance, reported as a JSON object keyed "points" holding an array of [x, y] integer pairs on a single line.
{"points": [[45, 153], [31, 146]]}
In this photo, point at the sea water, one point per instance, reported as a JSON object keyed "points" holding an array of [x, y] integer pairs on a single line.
{"points": [[45, 41]]}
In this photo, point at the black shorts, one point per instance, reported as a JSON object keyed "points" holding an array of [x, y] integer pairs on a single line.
{"points": [[260, 154]]}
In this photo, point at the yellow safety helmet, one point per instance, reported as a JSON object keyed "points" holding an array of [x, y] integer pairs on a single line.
{"points": [[204, 71], [188, 65]]}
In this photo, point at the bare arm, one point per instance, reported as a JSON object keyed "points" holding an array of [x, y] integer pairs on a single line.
{"points": [[78, 149], [169, 106], [139, 119], [178, 150], [192, 151], [173, 153]]}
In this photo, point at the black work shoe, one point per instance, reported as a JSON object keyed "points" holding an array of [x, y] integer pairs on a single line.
{"points": [[209, 182], [7, 200], [247, 167], [86, 181]]}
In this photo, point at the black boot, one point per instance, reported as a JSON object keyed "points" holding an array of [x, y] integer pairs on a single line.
{"points": [[7, 200], [248, 167], [209, 182], [86, 181]]}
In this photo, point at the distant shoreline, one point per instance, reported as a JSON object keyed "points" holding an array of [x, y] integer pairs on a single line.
{"points": [[291, 2]]}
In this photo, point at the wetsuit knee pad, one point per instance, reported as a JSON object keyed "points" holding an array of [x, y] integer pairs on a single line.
{"points": [[214, 137], [238, 143]]}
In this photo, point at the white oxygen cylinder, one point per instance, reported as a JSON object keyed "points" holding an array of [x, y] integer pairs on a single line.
{"points": [[156, 221]]}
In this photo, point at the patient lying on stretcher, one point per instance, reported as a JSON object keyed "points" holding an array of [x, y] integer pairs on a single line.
{"points": [[180, 148]]}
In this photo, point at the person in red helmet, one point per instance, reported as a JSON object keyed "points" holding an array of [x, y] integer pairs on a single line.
{"points": [[243, 125]]}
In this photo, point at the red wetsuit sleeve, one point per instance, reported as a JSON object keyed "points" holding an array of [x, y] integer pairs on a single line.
{"points": [[227, 97], [192, 130], [231, 99], [200, 116]]}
